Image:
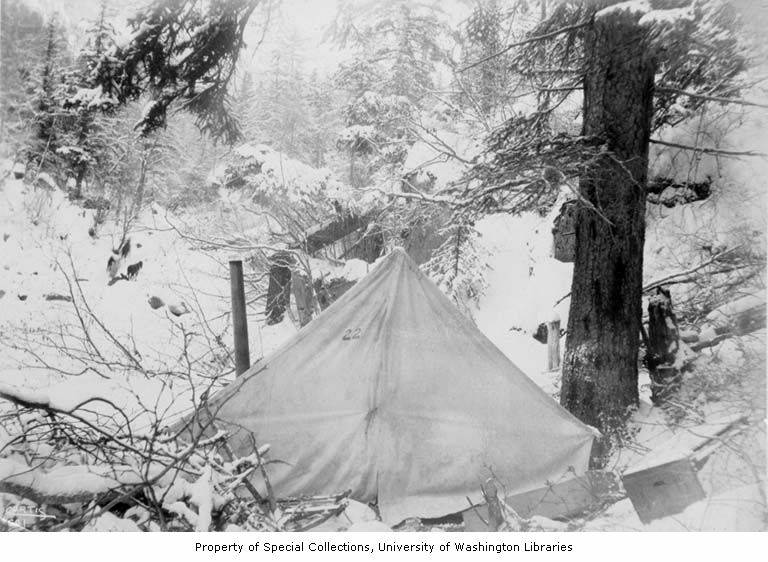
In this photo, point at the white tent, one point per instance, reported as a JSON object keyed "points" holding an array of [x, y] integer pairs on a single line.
{"points": [[393, 393]]}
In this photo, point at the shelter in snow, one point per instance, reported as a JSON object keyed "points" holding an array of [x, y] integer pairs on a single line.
{"points": [[393, 393]]}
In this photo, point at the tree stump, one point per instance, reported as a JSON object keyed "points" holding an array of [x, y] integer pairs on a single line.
{"points": [[304, 297], [663, 346], [279, 289]]}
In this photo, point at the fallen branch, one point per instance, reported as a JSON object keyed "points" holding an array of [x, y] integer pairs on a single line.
{"points": [[673, 278], [664, 90], [665, 280], [66, 484], [705, 150]]}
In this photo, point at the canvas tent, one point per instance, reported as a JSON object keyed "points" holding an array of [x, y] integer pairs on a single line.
{"points": [[393, 393]]}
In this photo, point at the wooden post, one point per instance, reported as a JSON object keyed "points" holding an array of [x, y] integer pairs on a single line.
{"points": [[239, 321], [553, 344]]}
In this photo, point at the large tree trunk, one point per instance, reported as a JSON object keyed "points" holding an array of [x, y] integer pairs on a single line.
{"points": [[600, 364]]}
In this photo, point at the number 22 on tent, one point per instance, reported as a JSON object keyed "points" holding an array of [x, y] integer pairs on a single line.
{"points": [[351, 334]]}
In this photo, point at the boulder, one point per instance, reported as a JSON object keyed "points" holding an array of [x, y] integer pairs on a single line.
{"points": [[155, 302], [19, 169]]}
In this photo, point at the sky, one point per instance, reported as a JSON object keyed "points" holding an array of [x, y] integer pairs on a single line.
{"points": [[302, 21]]}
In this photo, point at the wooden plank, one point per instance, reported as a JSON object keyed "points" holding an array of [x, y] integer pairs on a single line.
{"points": [[558, 501], [663, 490], [329, 232]]}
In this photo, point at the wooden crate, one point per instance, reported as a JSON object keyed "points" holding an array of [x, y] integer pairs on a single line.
{"points": [[663, 490]]}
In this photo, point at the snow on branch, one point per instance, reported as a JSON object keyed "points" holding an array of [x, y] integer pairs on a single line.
{"points": [[718, 99], [66, 484], [705, 150]]}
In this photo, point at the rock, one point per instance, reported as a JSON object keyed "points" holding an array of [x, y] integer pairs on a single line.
{"points": [[134, 269], [689, 336], [6, 236], [19, 169], [58, 297], [2, 293], [22, 297], [178, 309], [155, 302]]}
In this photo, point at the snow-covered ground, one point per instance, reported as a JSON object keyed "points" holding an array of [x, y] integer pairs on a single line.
{"points": [[45, 249]]}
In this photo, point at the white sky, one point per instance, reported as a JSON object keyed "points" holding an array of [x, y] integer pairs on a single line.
{"points": [[302, 21]]}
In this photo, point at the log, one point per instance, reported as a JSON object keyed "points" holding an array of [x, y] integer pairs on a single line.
{"points": [[66, 484], [329, 232]]}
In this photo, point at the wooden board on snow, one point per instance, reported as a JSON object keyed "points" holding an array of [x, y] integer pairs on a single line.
{"points": [[663, 490], [557, 501]]}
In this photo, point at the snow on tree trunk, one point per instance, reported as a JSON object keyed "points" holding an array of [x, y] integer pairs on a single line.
{"points": [[600, 363]]}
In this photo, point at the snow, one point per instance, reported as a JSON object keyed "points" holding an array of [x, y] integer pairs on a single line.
{"points": [[632, 6], [35, 261], [524, 284], [732, 308], [110, 523], [355, 269], [92, 98], [668, 17], [279, 175], [71, 483], [434, 155]]}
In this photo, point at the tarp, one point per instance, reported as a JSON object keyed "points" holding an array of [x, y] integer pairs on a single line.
{"points": [[391, 392]]}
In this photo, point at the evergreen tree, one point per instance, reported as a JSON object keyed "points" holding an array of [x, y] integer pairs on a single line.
{"points": [[184, 53], [397, 46], [82, 144], [43, 111], [22, 43], [458, 266], [641, 67]]}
